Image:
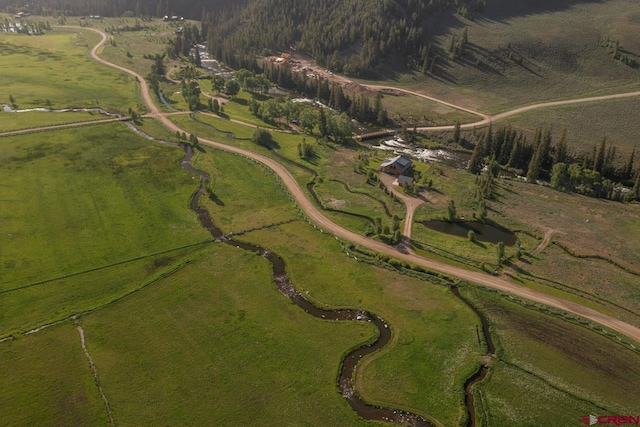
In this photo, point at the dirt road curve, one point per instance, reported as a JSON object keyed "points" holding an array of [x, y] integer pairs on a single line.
{"points": [[486, 119], [316, 216]]}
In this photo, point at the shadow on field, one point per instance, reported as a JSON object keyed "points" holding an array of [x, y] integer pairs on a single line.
{"points": [[502, 10]]}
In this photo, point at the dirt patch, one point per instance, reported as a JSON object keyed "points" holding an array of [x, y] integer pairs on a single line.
{"points": [[336, 204]]}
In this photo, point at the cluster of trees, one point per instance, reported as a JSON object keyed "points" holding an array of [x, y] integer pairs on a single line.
{"points": [[358, 107], [27, 27], [191, 94], [330, 29], [600, 173], [184, 41]]}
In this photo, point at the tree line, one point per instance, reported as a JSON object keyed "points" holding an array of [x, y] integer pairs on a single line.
{"points": [[601, 172]]}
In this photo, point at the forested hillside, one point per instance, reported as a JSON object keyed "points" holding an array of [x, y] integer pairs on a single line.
{"points": [[191, 9], [346, 36]]}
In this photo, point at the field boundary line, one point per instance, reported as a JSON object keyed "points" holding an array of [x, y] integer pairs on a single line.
{"points": [[94, 371], [91, 270]]}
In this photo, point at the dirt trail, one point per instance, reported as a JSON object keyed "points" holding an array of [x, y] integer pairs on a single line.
{"points": [[411, 204], [317, 217], [94, 371], [545, 242]]}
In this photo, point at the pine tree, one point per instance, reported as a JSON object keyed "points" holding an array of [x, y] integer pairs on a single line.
{"points": [[635, 192], [561, 148], [477, 158], [456, 132], [533, 172], [322, 123], [598, 159], [628, 167]]}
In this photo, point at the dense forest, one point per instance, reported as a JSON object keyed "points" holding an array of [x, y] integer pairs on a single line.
{"points": [[346, 36]]}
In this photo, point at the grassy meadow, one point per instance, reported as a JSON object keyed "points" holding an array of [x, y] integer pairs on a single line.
{"points": [[36, 393], [54, 70], [523, 52], [80, 199], [544, 362], [218, 342], [24, 120], [588, 124]]}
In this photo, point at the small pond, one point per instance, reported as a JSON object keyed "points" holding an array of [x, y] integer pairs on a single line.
{"points": [[484, 232]]}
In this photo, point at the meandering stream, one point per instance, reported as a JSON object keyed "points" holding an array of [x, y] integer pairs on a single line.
{"points": [[282, 282]]}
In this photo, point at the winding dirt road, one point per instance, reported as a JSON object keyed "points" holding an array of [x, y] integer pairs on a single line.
{"points": [[486, 119], [314, 214]]}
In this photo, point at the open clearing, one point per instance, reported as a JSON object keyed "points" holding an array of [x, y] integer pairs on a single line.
{"points": [[64, 76]]}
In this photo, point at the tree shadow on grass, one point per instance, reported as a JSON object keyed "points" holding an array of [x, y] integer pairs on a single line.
{"points": [[215, 199]]}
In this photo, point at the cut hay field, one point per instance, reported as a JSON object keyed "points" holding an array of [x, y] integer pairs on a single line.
{"points": [[544, 362], [55, 71]]}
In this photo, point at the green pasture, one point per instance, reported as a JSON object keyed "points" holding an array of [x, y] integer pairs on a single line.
{"points": [[79, 199], [151, 39], [25, 120], [588, 226], [228, 132], [238, 108], [220, 342], [249, 190], [54, 70], [50, 382], [434, 345], [421, 310], [335, 197], [552, 364]]}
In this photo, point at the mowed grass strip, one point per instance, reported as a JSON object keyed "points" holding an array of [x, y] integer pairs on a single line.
{"points": [[219, 344], [47, 381], [25, 120], [54, 70], [88, 197], [585, 365], [434, 346]]}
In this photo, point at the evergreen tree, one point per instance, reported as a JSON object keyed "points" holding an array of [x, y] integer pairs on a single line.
{"points": [[561, 148], [451, 211], [322, 123], [598, 159], [628, 167], [456, 132]]}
